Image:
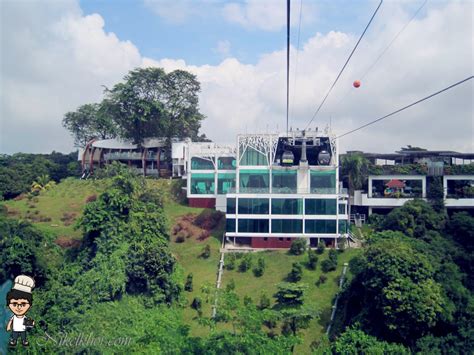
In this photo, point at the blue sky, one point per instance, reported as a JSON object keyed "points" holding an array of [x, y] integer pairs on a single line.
{"points": [[59, 54], [195, 38]]}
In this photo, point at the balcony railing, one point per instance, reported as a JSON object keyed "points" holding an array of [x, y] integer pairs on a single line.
{"points": [[123, 156]]}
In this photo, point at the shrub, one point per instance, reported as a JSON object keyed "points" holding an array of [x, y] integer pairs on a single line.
{"points": [[298, 246], [206, 252], [328, 265], [296, 273], [229, 262], [333, 255], [179, 239], [188, 286], [341, 244], [264, 301], [312, 259], [230, 286], [322, 279], [247, 300], [197, 303], [321, 247], [208, 219], [246, 263], [260, 268]]}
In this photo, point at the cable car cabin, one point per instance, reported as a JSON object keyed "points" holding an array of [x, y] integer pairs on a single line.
{"points": [[289, 151]]}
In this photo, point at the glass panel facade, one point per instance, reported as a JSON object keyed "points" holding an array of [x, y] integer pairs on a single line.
{"points": [[251, 157], [253, 225], [230, 225], [231, 206], [287, 206], [323, 206], [254, 181], [253, 206], [343, 226], [320, 226], [323, 182], [225, 181], [226, 163], [287, 226], [202, 184], [284, 181], [201, 164], [342, 209]]}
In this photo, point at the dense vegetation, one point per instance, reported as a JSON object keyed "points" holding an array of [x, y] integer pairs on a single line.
{"points": [[19, 171], [413, 284]]}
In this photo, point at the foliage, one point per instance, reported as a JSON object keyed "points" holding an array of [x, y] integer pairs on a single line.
{"points": [[42, 183], [20, 251], [18, 171], [330, 264], [415, 218], [197, 303], [245, 263], [461, 227], [152, 103], [322, 279], [355, 341], [230, 286], [321, 247], [296, 273], [188, 286], [264, 302], [90, 121], [206, 252], [298, 246], [289, 295], [312, 259], [259, 269], [230, 261]]}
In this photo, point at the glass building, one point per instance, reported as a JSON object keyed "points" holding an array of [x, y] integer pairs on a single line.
{"points": [[273, 188]]}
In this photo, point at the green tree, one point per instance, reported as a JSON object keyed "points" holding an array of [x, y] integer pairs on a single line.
{"points": [[355, 341], [289, 295], [321, 247], [259, 269], [152, 103], [354, 169], [312, 259], [188, 286], [296, 273], [90, 121], [298, 246], [245, 263]]}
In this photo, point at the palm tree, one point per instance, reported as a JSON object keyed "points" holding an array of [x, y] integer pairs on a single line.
{"points": [[354, 168], [42, 183]]}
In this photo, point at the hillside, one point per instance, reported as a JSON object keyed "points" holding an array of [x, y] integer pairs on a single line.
{"points": [[55, 211]]}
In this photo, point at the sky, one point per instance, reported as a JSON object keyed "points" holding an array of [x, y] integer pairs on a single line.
{"points": [[59, 54]]}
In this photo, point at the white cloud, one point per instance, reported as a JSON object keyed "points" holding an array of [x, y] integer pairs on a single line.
{"points": [[55, 59], [268, 15]]}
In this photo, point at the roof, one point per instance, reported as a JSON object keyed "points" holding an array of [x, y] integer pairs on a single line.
{"points": [[115, 143]]}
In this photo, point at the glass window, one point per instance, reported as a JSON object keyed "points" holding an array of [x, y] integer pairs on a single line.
{"points": [[230, 206], [323, 206], [287, 206], [253, 206], [230, 225], [252, 157], [253, 225], [343, 226], [287, 226], [320, 226], [284, 181], [323, 182], [201, 164], [225, 182], [342, 208], [226, 163], [254, 181], [202, 184]]}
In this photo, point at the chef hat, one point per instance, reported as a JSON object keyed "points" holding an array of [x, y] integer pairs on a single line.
{"points": [[24, 283]]}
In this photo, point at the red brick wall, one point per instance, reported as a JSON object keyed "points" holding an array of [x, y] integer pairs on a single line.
{"points": [[202, 202], [260, 242]]}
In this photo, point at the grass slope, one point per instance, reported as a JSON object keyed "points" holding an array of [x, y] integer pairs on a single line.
{"points": [[70, 197]]}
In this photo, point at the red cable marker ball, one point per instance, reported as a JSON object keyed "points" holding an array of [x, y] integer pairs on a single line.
{"points": [[356, 83]]}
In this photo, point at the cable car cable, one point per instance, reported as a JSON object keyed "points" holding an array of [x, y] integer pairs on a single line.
{"points": [[405, 107], [345, 64], [287, 62]]}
